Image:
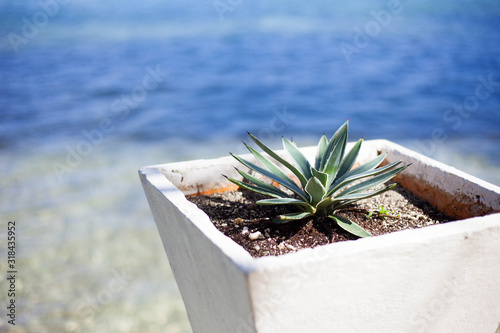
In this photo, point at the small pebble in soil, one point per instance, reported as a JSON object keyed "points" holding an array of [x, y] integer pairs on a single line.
{"points": [[256, 235], [245, 230], [238, 220]]}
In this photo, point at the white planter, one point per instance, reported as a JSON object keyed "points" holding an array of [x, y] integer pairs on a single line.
{"points": [[442, 278]]}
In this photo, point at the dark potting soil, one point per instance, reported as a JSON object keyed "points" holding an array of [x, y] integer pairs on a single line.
{"points": [[237, 216]]}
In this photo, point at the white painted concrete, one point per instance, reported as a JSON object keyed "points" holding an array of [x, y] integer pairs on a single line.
{"points": [[443, 278]]}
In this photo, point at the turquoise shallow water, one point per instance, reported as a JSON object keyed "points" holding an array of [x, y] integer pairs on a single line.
{"points": [[89, 258], [80, 113]]}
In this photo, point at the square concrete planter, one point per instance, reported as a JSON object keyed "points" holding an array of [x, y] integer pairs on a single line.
{"points": [[441, 278]]}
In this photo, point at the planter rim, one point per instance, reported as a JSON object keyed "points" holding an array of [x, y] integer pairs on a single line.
{"points": [[248, 264]]}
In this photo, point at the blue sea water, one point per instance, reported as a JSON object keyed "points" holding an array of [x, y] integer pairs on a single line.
{"points": [[92, 90]]}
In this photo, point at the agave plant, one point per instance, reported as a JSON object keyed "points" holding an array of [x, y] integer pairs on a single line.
{"points": [[321, 189]]}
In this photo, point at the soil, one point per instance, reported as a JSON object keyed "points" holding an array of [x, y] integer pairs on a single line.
{"points": [[237, 216]]}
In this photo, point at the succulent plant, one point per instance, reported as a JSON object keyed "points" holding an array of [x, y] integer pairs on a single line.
{"points": [[321, 189]]}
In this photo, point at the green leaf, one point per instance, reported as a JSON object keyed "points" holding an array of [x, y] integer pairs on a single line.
{"points": [[281, 201], [350, 226], [323, 142], [286, 183], [262, 184], [323, 207], [366, 167], [298, 157], [291, 167], [254, 188], [341, 132], [337, 206], [375, 181], [316, 190], [384, 211], [350, 159], [323, 177], [344, 181], [291, 217], [268, 164], [286, 201], [333, 163], [360, 196]]}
